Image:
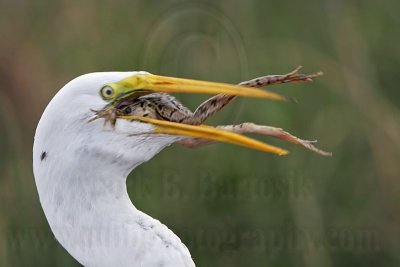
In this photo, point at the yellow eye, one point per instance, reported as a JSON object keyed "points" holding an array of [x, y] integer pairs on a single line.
{"points": [[107, 92]]}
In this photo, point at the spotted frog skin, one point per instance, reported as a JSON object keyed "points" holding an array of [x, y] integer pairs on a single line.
{"points": [[163, 106]]}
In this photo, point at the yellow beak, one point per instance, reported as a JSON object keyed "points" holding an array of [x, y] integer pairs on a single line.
{"points": [[206, 132], [149, 83]]}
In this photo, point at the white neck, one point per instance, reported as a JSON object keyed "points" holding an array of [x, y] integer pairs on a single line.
{"points": [[82, 189]]}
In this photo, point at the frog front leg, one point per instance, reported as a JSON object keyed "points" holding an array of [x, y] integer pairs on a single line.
{"points": [[216, 103]]}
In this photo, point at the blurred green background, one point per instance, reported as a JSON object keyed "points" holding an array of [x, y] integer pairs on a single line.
{"points": [[230, 205]]}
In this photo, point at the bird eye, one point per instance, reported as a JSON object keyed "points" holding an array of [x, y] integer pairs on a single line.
{"points": [[107, 92]]}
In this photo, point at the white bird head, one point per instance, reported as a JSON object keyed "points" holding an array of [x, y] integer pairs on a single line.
{"points": [[67, 123]]}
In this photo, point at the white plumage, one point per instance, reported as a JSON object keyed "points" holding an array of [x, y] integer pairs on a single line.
{"points": [[80, 171]]}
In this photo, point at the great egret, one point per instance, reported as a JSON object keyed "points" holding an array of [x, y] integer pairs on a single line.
{"points": [[81, 162]]}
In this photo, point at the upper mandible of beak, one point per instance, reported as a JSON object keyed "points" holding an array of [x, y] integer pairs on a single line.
{"points": [[149, 83]]}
